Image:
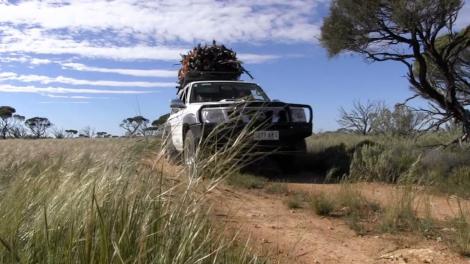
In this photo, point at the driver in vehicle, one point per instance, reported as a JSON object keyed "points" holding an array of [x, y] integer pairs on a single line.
{"points": [[244, 94]]}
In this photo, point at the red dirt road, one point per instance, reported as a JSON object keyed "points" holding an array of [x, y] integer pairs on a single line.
{"points": [[300, 236]]}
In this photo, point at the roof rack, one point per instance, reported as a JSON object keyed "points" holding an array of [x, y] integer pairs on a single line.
{"points": [[193, 76]]}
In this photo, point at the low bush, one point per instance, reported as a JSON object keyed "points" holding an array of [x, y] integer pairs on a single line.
{"points": [[278, 188], [460, 236], [246, 181], [400, 214], [322, 205], [382, 163], [348, 203], [296, 200]]}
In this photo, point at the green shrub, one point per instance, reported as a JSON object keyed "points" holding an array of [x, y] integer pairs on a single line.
{"points": [[279, 188], [322, 205], [347, 203], [392, 159], [296, 200], [382, 163], [247, 181], [446, 170], [400, 214], [319, 142], [460, 236]]}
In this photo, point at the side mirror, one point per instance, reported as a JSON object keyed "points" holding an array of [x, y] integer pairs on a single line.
{"points": [[177, 104]]}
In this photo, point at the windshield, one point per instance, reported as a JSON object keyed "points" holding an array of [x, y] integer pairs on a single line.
{"points": [[218, 91]]}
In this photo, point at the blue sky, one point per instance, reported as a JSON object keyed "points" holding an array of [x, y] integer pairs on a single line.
{"points": [[95, 62]]}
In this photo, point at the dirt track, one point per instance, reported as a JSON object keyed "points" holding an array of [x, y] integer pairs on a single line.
{"points": [[441, 208], [300, 236]]}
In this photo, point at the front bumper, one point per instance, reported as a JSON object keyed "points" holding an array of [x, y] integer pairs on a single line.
{"points": [[290, 134]]}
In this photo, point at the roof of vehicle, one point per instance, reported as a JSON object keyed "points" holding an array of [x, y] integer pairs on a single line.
{"points": [[181, 91], [217, 81]]}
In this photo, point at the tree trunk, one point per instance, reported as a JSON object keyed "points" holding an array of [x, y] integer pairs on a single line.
{"points": [[466, 126]]}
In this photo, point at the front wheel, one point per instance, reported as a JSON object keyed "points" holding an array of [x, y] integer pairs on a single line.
{"points": [[169, 149], [189, 153]]}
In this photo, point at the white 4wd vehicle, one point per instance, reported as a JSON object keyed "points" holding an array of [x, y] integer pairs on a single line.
{"points": [[202, 105]]}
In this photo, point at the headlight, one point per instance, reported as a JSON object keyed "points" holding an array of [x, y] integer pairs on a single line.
{"points": [[211, 115], [298, 115]]}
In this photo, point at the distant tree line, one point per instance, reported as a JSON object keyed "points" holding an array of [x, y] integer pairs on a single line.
{"points": [[376, 118], [13, 125], [138, 126]]}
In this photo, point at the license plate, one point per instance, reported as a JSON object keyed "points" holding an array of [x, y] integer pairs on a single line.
{"points": [[266, 135]]}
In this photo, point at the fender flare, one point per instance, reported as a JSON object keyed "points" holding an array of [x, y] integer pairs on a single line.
{"points": [[188, 122]]}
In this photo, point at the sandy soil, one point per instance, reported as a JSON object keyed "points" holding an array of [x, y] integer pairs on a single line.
{"points": [[300, 236], [441, 207]]}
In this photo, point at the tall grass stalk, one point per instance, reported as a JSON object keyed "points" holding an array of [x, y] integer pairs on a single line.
{"points": [[226, 148], [460, 236], [82, 201]]}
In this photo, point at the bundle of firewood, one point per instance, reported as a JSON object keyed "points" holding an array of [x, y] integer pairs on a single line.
{"points": [[214, 60]]}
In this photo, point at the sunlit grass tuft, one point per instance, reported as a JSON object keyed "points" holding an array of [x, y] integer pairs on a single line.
{"points": [[102, 201]]}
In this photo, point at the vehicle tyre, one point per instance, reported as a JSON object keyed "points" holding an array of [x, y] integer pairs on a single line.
{"points": [[169, 149], [189, 153]]}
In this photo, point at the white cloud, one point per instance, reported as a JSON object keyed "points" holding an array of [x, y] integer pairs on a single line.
{"points": [[11, 76], [165, 21], [62, 102], [35, 41], [6, 88], [158, 30], [69, 96], [256, 58], [6, 59], [22, 58], [37, 61], [130, 72]]}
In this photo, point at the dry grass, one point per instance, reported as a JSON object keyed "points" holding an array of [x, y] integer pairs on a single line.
{"points": [[247, 181], [348, 203], [102, 201], [459, 235], [322, 204], [296, 200], [278, 188]]}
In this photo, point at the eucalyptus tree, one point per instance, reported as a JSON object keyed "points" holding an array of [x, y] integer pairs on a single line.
{"points": [[6, 114], [135, 126], [38, 126], [419, 34]]}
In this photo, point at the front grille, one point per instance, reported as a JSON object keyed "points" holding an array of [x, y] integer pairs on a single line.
{"points": [[269, 116]]}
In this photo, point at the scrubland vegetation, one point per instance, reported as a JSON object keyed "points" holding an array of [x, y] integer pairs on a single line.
{"points": [[415, 168], [420, 160], [115, 201], [103, 201]]}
